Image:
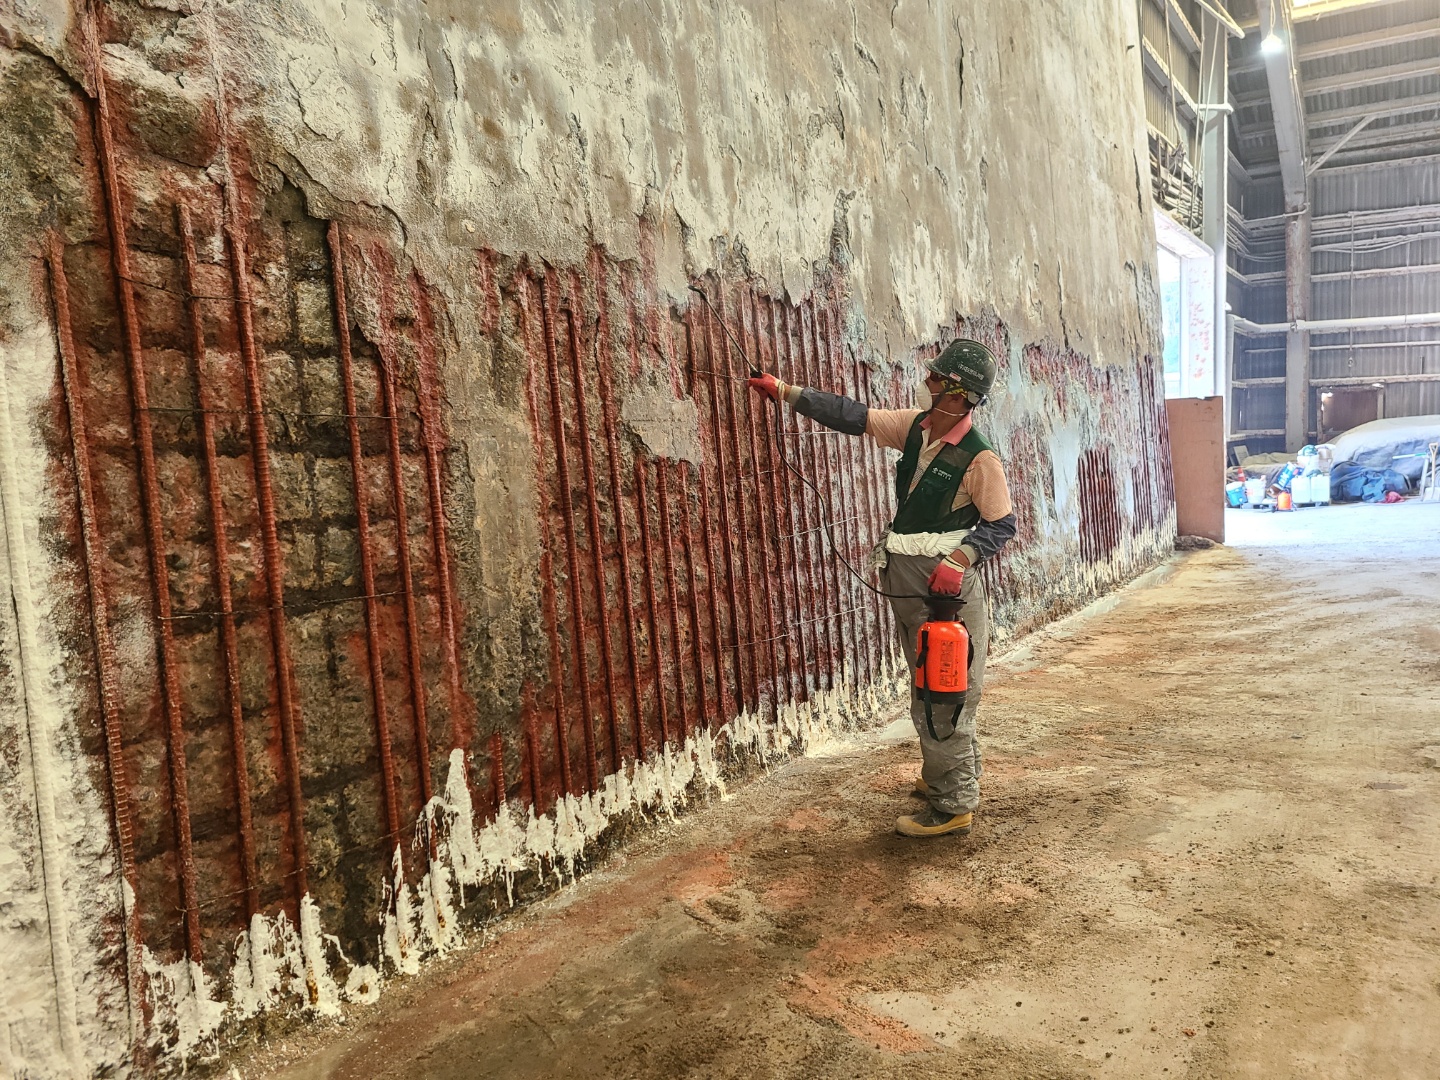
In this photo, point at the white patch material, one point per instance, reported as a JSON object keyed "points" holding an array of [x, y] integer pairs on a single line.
{"points": [[63, 1002], [186, 1017]]}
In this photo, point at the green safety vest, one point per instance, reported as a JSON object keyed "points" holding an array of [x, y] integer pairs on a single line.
{"points": [[927, 508]]}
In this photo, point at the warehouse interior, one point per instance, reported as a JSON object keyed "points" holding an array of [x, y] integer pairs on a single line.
{"points": [[452, 622]]}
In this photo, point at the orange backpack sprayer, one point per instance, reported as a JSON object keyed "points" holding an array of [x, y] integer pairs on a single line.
{"points": [[942, 661]]}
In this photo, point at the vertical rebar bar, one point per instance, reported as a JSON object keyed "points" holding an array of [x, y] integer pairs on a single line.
{"points": [[802, 529], [220, 542], [770, 507], [705, 499], [610, 418], [806, 440], [747, 577], [838, 534], [149, 501], [647, 559], [722, 503], [567, 513], [432, 435], [785, 491], [367, 549], [866, 466], [592, 514], [849, 506], [534, 350], [497, 770], [696, 632], [765, 579], [390, 391], [272, 561], [667, 562], [107, 661]]}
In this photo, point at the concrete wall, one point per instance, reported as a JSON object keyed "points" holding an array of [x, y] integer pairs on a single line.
{"points": [[318, 653]]}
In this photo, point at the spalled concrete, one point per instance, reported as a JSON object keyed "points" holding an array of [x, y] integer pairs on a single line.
{"points": [[887, 177]]}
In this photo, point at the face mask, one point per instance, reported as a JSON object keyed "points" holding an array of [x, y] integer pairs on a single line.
{"points": [[923, 399]]}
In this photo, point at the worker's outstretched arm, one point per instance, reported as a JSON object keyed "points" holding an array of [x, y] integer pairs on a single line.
{"points": [[985, 483], [833, 411]]}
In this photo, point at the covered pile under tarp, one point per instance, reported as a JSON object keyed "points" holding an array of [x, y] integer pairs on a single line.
{"points": [[1400, 444], [1350, 482]]}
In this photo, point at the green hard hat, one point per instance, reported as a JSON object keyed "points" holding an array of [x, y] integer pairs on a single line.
{"points": [[968, 364]]}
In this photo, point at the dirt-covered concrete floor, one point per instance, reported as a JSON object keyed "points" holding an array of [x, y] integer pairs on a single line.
{"points": [[1208, 848]]}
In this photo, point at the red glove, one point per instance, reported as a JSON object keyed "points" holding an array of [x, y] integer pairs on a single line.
{"points": [[946, 578], [768, 385]]}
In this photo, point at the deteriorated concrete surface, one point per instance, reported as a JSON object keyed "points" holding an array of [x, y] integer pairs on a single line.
{"points": [[315, 645], [1207, 849]]}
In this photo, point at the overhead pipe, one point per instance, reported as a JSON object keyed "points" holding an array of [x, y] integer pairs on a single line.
{"points": [[1226, 20], [1327, 326]]}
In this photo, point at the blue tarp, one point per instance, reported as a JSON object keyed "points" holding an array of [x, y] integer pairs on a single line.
{"points": [[1350, 482]]}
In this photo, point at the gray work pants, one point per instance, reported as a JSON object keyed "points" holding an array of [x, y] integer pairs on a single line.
{"points": [[951, 763]]}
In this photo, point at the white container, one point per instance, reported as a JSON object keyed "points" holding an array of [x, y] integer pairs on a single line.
{"points": [[1320, 489], [1255, 491], [1300, 490]]}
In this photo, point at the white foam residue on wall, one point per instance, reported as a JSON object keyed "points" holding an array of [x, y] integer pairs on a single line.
{"points": [[280, 966], [63, 1010]]}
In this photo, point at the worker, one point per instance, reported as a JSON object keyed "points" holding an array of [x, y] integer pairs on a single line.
{"points": [[952, 512]]}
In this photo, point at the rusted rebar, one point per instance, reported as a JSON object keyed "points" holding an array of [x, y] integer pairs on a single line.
{"points": [[220, 542], [610, 419], [662, 472], [667, 561], [390, 391], [722, 503], [367, 550], [849, 502], [814, 508], [432, 439], [107, 661], [149, 498], [764, 578], [737, 492], [567, 512], [272, 560], [696, 632], [497, 770], [775, 557], [647, 559], [705, 499], [592, 510], [839, 534], [869, 516], [787, 496], [534, 352]]}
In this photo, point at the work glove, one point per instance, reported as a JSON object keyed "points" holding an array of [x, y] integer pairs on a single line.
{"points": [[947, 577], [768, 385]]}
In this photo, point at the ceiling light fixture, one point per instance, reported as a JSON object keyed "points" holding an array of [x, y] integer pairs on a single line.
{"points": [[1271, 44]]}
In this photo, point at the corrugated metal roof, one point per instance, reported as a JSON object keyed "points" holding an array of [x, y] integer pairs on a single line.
{"points": [[1361, 20], [1379, 188]]}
